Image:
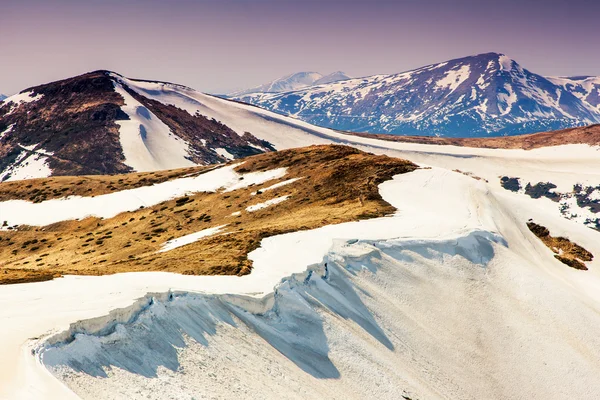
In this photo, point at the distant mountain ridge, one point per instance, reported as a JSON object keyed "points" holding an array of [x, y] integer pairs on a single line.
{"points": [[2, 97], [483, 95], [295, 81], [585, 88]]}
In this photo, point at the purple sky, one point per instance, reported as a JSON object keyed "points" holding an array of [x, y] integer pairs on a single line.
{"points": [[221, 45]]}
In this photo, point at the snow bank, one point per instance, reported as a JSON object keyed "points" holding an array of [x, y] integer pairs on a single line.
{"points": [[21, 212]]}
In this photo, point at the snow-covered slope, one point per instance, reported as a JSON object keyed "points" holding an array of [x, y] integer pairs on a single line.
{"points": [[436, 301], [586, 88], [444, 299], [2, 96], [482, 95], [298, 80]]}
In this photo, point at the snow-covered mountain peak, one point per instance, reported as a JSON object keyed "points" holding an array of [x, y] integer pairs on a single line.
{"points": [[480, 95]]}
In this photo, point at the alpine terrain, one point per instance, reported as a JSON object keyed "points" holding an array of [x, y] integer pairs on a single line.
{"points": [[179, 245], [477, 96], [104, 123]]}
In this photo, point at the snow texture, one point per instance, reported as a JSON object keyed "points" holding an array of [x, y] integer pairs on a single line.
{"points": [[147, 143]]}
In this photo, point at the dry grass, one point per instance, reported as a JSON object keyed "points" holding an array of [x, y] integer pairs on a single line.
{"points": [[567, 252], [339, 184], [41, 189], [584, 135]]}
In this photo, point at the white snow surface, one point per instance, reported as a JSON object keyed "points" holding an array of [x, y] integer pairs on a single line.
{"points": [[191, 238], [21, 212], [148, 144], [224, 153], [266, 204]]}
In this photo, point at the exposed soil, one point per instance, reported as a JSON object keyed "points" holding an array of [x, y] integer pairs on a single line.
{"points": [[339, 184], [567, 252], [581, 135]]}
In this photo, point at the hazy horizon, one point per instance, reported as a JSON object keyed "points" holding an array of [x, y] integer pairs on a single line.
{"points": [[220, 46]]}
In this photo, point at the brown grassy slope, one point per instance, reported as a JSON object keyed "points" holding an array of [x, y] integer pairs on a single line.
{"points": [[41, 189], [339, 184], [567, 252], [582, 135]]}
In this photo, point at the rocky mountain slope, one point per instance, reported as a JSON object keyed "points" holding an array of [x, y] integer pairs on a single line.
{"points": [[298, 80], [103, 123], [585, 88], [483, 95]]}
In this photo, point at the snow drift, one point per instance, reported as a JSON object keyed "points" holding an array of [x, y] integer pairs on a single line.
{"points": [[453, 299]]}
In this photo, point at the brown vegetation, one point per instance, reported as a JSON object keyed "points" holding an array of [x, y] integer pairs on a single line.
{"points": [[338, 184], [567, 252], [581, 135], [41, 189]]}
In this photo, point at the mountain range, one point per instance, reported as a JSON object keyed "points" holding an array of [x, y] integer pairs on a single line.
{"points": [[483, 95], [104, 123], [298, 80]]}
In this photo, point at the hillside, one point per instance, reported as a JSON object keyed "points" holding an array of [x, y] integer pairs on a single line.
{"points": [[426, 284], [99, 231], [586, 88], [478, 96], [98, 123]]}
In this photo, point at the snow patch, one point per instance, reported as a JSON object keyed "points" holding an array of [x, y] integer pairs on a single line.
{"points": [[267, 203], [454, 78], [20, 98], [224, 153], [7, 131], [19, 212], [191, 238], [506, 63], [27, 165], [276, 186]]}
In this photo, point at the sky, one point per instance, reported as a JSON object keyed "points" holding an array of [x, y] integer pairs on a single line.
{"points": [[218, 46]]}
